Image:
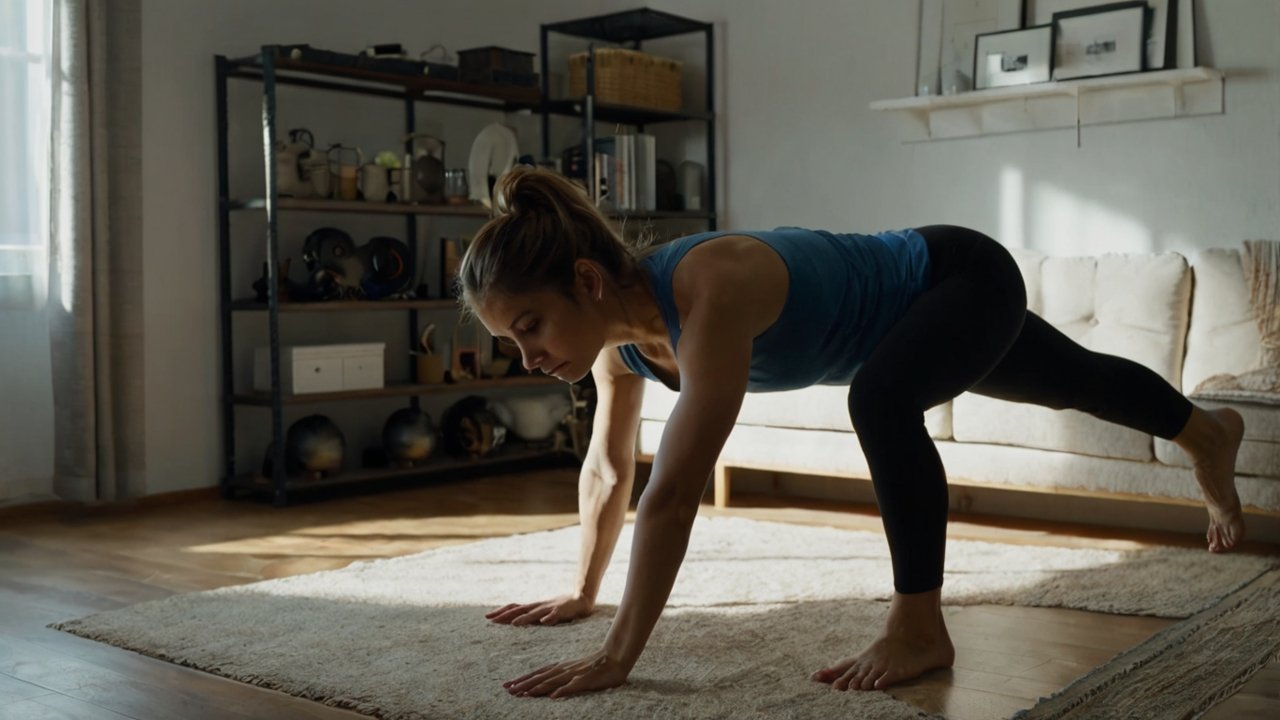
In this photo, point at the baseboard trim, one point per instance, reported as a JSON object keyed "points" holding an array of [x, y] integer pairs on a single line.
{"points": [[53, 509]]}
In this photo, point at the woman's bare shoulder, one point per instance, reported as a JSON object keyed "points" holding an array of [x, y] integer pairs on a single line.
{"points": [[738, 272]]}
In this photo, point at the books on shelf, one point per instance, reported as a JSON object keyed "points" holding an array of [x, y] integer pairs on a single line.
{"points": [[625, 169]]}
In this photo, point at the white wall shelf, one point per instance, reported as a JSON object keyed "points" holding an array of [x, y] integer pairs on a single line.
{"points": [[1073, 103]]}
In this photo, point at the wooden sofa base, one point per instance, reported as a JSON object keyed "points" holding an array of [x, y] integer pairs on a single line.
{"points": [[1264, 525]]}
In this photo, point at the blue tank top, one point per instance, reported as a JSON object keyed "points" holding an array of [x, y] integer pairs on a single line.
{"points": [[845, 292]]}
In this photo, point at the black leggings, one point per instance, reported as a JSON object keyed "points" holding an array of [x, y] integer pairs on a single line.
{"points": [[971, 330]]}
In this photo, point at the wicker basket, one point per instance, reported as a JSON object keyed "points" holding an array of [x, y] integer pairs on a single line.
{"points": [[628, 77]]}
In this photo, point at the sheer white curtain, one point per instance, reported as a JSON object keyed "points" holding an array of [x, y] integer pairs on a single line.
{"points": [[71, 385], [26, 422], [94, 310]]}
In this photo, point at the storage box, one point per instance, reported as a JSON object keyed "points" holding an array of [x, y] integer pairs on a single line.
{"points": [[628, 77], [322, 368], [477, 64]]}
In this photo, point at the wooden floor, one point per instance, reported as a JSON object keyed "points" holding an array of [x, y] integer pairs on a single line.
{"points": [[57, 564]]}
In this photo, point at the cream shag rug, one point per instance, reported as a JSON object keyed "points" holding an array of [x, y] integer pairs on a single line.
{"points": [[757, 607], [1183, 670]]}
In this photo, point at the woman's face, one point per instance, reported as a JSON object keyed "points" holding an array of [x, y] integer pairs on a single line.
{"points": [[554, 334]]}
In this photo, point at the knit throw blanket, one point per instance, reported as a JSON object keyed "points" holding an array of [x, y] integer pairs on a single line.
{"points": [[1261, 265]]}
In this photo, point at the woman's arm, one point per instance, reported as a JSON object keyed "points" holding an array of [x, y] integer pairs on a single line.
{"points": [[715, 358], [714, 361], [731, 296], [604, 486], [604, 493]]}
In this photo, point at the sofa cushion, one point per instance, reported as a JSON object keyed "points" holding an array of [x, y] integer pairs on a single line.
{"points": [[823, 452], [987, 420], [1223, 337], [1260, 451], [1135, 306], [821, 407]]}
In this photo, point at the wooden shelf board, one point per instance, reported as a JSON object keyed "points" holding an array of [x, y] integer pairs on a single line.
{"points": [[663, 215], [624, 114], [252, 305], [1180, 76], [392, 391], [437, 465], [628, 26], [1162, 94], [424, 85], [361, 206], [476, 211]]}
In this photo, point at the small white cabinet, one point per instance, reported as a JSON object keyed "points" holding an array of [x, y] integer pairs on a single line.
{"points": [[322, 368]]}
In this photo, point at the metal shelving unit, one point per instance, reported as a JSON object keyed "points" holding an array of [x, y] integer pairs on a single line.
{"points": [[250, 304], [501, 459], [359, 206], [272, 68], [409, 390], [631, 28]]}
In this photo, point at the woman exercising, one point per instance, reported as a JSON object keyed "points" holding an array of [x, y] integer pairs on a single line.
{"points": [[907, 320]]}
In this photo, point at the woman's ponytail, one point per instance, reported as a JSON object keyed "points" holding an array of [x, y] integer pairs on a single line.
{"points": [[543, 224]]}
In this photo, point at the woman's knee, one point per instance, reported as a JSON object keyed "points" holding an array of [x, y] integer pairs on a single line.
{"points": [[876, 402]]}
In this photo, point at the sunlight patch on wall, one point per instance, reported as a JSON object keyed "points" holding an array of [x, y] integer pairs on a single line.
{"points": [[1012, 208], [1062, 223]]}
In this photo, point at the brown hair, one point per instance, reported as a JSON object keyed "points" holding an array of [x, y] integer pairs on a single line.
{"points": [[544, 223]]}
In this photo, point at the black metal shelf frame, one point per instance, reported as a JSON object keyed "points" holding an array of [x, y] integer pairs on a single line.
{"points": [[263, 399], [271, 71], [630, 27], [502, 458], [473, 211], [286, 71]]}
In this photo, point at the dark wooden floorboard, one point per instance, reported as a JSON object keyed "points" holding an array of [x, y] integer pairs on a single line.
{"points": [[58, 564]]}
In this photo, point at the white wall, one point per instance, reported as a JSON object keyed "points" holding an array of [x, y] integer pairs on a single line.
{"points": [[802, 147], [797, 143]]}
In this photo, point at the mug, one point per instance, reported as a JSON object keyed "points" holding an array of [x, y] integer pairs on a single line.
{"points": [[689, 184], [430, 368], [456, 190], [373, 182], [346, 185], [316, 170]]}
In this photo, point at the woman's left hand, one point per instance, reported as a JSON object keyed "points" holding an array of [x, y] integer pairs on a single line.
{"points": [[594, 672]]}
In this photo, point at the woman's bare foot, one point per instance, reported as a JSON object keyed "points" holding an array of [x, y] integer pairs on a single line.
{"points": [[1212, 440], [914, 641]]}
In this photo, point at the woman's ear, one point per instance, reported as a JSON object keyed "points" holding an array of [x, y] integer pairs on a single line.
{"points": [[589, 280]]}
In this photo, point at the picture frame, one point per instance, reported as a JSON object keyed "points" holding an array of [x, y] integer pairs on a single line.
{"points": [[1014, 57], [1165, 33], [1162, 34], [929, 57], [948, 32], [1186, 44], [1102, 40]]}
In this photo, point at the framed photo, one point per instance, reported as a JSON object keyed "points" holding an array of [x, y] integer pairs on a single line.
{"points": [[1186, 45], [1166, 34], [948, 31], [1104, 40], [1014, 57], [929, 58], [1162, 34]]}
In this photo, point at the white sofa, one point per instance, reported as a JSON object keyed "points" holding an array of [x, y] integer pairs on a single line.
{"points": [[1186, 321]]}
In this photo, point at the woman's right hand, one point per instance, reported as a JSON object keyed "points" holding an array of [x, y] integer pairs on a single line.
{"points": [[549, 612]]}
